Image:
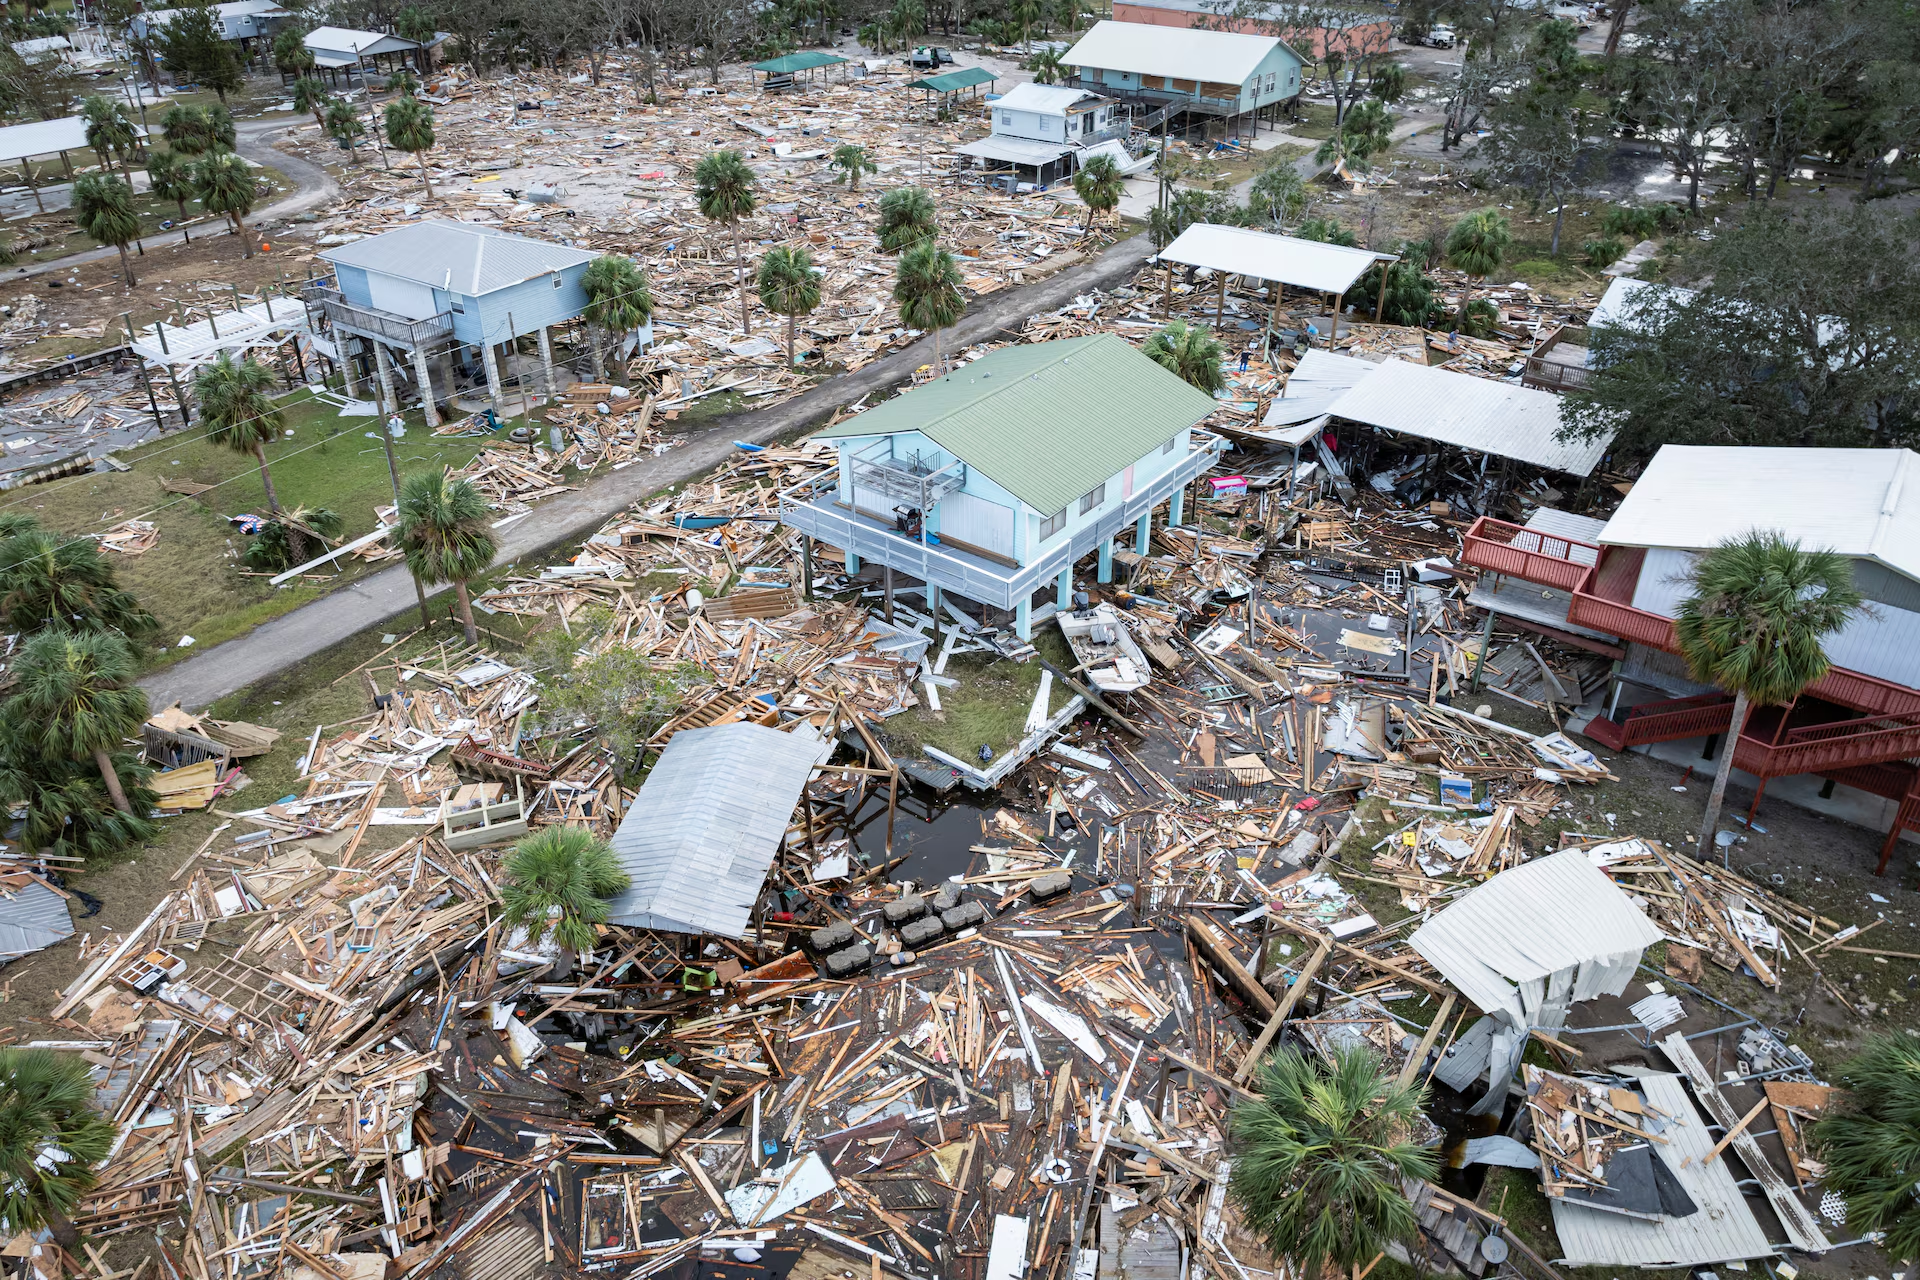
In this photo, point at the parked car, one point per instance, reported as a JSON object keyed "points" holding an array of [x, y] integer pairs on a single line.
{"points": [[930, 58], [1440, 37]]}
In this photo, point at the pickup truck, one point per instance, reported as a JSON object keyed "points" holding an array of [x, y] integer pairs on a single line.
{"points": [[930, 58]]}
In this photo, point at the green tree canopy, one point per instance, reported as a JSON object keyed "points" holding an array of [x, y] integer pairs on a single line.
{"points": [[291, 57], [852, 160], [170, 176], [74, 699], [47, 580], [446, 535], [310, 95], [907, 217], [237, 408], [1802, 337], [558, 881], [1099, 186], [196, 50], [1477, 245], [928, 285], [1754, 624], [723, 186], [410, 128], [226, 185], [619, 301], [110, 131], [186, 128], [1319, 1158], [344, 127], [46, 1106], [788, 286], [1191, 352], [1870, 1142], [103, 208]]}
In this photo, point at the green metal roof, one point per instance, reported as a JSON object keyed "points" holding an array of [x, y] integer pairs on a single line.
{"points": [[965, 78], [798, 62], [1046, 421]]}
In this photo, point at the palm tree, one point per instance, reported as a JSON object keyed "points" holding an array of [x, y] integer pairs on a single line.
{"points": [[103, 208], [558, 881], [170, 177], [185, 128], [1869, 1138], [343, 126], [221, 133], [47, 580], [416, 24], [852, 160], [445, 535], [310, 95], [226, 185], [927, 287], [1100, 186], [237, 408], [1024, 14], [74, 699], [789, 286], [291, 57], [46, 1106], [618, 302], [907, 217], [1477, 245], [1189, 351], [110, 131], [1046, 66], [723, 184], [410, 128], [1753, 624], [1319, 1159]]}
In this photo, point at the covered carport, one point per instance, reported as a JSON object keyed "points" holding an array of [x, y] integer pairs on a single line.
{"points": [[953, 82], [1326, 269], [26, 143], [779, 72]]}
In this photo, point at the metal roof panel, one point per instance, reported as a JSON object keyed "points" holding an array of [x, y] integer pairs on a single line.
{"points": [[460, 257]]}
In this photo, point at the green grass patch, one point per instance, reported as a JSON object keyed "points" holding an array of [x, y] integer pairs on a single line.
{"points": [[1316, 121], [990, 706], [192, 579], [151, 209]]}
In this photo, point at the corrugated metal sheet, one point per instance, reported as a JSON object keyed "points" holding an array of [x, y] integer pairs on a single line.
{"points": [[1501, 418], [1047, 99], [1565, 524], [1859, 502], [1723, 1230], [42, 138], [1001, 146], [707, 825], [1315, 383], [1181, 52], [460, 257], [32, 919], [1046, 421], [359, 44], [1305, 264]]}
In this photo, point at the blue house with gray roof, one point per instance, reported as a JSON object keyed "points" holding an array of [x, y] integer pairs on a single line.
{"points": [[448, 293]]}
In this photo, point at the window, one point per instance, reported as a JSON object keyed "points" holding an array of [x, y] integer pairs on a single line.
{"points": [[556, 280], [459, 306], [1006, 118], [1093, 498], [1168, 446], [1053, 524]]}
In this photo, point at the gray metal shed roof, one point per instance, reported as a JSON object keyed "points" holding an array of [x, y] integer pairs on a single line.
{"points": [[1553, 913], [707, 825], [1723, 1230], [460, 257], [33, 918]]}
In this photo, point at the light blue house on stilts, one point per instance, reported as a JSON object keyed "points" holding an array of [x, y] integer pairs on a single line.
{"points": [[993, 482]]}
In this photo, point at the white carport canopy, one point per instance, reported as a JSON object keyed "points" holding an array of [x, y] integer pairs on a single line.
{"points": [[996, 146], [1304, 264], [263, 323], [45, 138]]}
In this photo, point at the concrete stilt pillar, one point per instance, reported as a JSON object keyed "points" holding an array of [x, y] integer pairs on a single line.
{"points": [[425, 376], [389, 402], [1063, 589], [546, 362], [347, 371], [494, 393], [1106, 560], [1177, 507], [1023, 619], [1143, 534]]}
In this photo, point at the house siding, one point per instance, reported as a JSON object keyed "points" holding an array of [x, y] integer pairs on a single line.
{"points": [[353, 285], [1276, 79], [531, 304], [1027, 544]]}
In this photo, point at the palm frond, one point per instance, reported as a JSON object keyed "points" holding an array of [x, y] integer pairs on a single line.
{"points": [[1758, 613]]}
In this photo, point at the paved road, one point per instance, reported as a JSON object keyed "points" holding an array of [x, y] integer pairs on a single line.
{"points": [[312, 187], [314, 628]]}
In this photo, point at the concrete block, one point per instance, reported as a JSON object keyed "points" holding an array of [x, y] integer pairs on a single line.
{"points": [[831, 938], [947, 898], [842, 964], [904, 909], [964, 916], [920, 932], [1050, 886]]}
